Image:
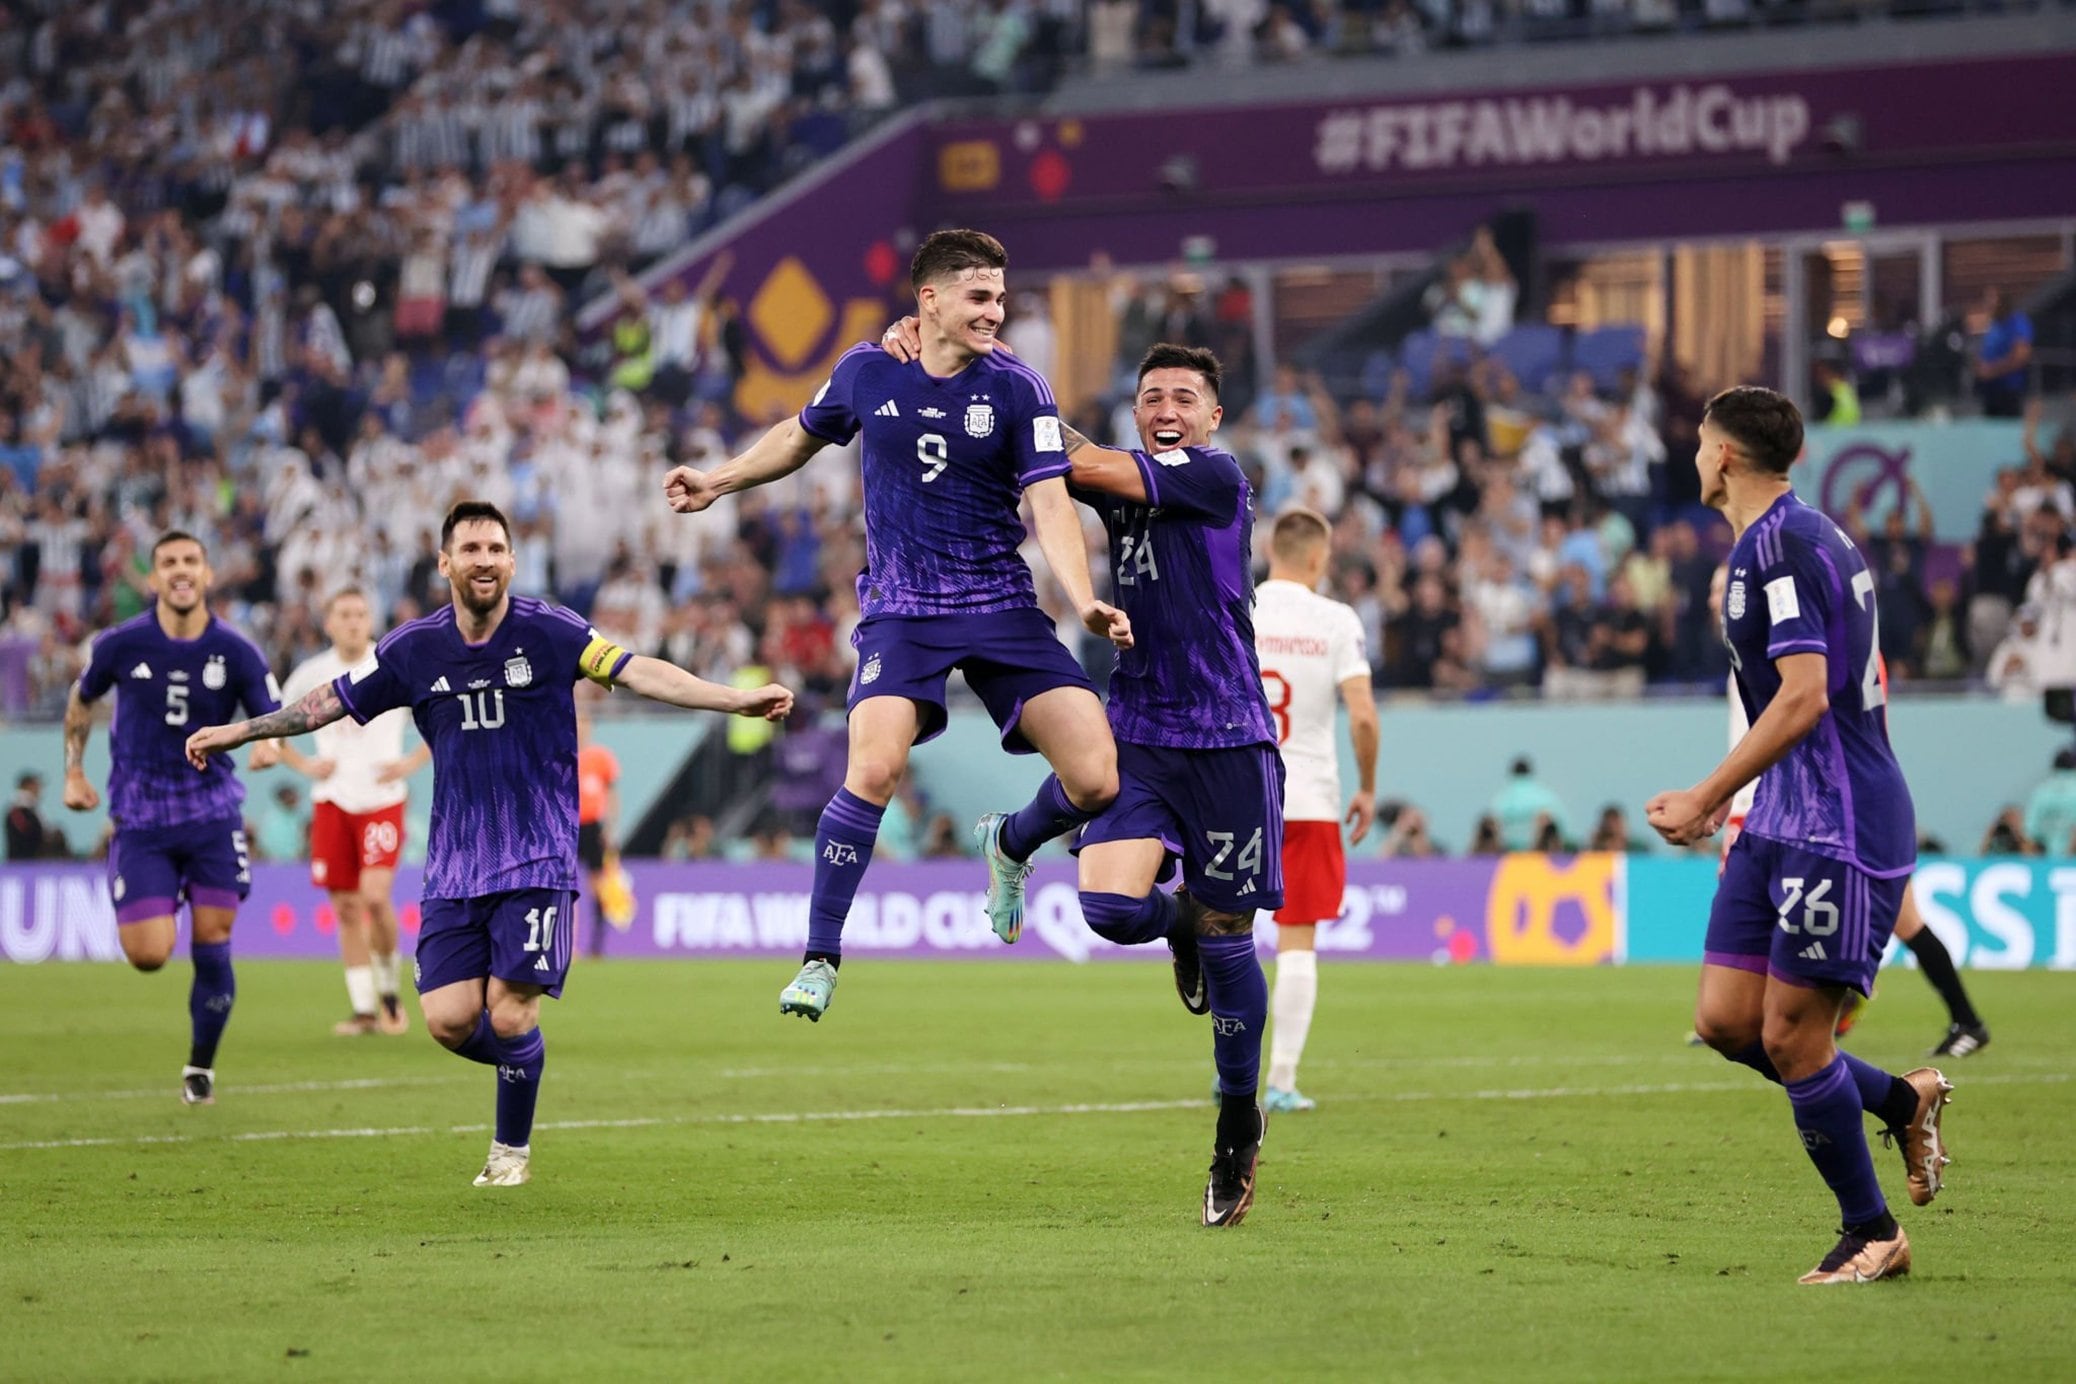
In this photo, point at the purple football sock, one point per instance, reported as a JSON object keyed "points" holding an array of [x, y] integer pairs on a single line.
{"points": [[843, 848], [1239, 1010], [481, 1045], [1048, 814], [1832, 1123], [1126, 920], [519, 1063], [209, 999]]}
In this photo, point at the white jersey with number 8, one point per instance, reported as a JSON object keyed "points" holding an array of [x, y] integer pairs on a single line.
{"points": [[1308, 646]]}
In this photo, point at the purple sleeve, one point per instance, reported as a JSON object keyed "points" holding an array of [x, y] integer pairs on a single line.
{"points": [[1040, 452], [1800, 589], [828, 415], [569, 635], [376, 686], [99, 674], [1198, 481]]}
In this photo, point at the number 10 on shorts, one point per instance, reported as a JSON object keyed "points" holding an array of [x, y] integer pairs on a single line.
{"points": [[540, 929]]}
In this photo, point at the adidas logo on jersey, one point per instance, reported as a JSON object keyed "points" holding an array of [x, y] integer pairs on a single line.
{"points": [[1813, 952], [142, 670], [887, 410], [441, 686], [541, 964]]}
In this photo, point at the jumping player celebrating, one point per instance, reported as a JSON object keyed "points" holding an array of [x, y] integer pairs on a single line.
{"points": [[1812, 886], [951, 440]]}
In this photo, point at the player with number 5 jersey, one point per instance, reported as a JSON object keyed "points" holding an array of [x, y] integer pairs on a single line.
{"points": [[1810, 890], [489, 681], [178, 836]]}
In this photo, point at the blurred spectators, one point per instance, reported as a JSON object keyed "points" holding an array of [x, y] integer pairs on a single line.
{"points": [[1526, 810], [2003, 357], [2050, 819], [29, 836]]}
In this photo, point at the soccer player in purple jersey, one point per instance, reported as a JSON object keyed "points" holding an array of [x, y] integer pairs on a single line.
{"points": [[952, 439], [489, 682], [1811, 888], [1200, 777], [176, 836]]}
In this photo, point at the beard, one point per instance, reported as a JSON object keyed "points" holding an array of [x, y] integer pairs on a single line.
{"points": [[467, 597]]}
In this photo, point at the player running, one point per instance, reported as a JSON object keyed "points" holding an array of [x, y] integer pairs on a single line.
{"points": [[1310, 649], [950, 441], [1200, 779], [489, 681], [1812, 887], [1965, 1031], [357, 820], [176, 836]]}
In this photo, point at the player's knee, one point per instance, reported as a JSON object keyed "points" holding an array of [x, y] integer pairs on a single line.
{"points": [[1213, 923], [874, 779], [1091, 781], [146, 953], [1724, 1034], [449, 1030], [514, 1020], [148, 961]]}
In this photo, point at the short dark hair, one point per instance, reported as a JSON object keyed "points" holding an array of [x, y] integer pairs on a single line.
{"points": [[1167, 355], [1522, 767], [466, 510], [177, 536], [350, 590], [944, 254], [1767, 427]]}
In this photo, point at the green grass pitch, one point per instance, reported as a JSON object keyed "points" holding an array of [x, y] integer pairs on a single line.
{"points": [[992, 1171]]}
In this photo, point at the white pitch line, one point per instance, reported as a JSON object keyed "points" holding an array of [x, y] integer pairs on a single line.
{"points": [[372, 1083], [960, 1112]]}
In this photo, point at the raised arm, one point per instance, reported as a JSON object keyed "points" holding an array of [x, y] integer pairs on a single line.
{"points": [[1059, 534], [80, 794], [666, 682], [781, 451], [320, 707], [1363, 735]]}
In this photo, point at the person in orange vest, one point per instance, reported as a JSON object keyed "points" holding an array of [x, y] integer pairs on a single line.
{"points": [[598, 805]]}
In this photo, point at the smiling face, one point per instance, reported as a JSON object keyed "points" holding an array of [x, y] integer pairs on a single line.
{"points": [[966, 307], [477, 563], [180, 575], [1175, 408]]}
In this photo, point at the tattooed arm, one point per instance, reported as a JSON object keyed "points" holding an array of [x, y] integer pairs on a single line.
{"points": [[320, 708], [80, 794], [1105, 469]]}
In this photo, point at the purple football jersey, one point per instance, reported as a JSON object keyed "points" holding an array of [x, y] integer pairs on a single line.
{"points": [[1179, 568], [1798, 585], [502, 724], [944, 464], [166, 689]]}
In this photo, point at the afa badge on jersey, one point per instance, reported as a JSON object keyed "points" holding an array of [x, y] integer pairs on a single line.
{"points": [[518, 672], [213, 674], [1734, 602], [980, 420]]}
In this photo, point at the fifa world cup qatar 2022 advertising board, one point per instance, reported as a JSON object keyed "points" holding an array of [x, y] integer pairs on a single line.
{"points": [[1519, 910]]}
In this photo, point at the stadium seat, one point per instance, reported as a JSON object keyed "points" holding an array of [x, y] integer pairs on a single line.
{"points": [[1533, 352], [1605, 352]]}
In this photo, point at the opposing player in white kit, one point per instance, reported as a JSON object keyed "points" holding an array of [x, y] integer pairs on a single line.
{"points": [[1311, 648], [357, 822]]}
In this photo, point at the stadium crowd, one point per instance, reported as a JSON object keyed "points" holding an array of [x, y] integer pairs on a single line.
{"points": [[293, 277]]}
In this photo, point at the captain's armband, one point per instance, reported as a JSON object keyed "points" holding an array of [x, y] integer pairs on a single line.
{"points": [[602, 660]]}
